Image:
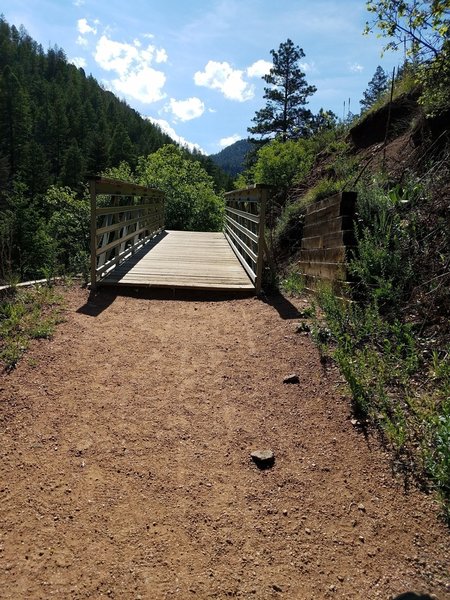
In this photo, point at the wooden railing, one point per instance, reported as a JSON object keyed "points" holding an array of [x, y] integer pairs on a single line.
{"points": [[245, 215], [134, 215]]}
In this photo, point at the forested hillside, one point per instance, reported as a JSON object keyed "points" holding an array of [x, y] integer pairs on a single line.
{"points": [[232, 158], [56, 123]]}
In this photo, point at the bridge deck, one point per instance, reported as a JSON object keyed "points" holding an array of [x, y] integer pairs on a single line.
{"points": [[183, 259]]}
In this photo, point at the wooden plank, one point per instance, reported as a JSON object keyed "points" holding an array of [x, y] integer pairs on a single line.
{"points": [[116, 187], [244, 215], [113, 210], [242, 229], [93, 235], [128, 222], [178, 259]]}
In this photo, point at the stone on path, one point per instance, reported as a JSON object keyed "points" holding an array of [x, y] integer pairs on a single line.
{"points": [[263, 459]]}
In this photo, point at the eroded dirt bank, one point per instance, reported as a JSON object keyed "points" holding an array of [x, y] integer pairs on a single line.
{"points": [[126, 474]]}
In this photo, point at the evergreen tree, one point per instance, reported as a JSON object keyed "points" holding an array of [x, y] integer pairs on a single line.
{"points": [[15, 120], [73, 169], [284, 115], [377, 86]]}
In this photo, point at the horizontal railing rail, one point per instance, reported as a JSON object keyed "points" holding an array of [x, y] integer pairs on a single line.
{"points": [[133, 216], [245, 215]]}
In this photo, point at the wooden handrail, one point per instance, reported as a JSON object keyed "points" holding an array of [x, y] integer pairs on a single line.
{"points": [[245, 215], [135, 216]]}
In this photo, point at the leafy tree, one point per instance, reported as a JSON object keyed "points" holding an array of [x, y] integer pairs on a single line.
{"points": [[422, 23], [284, 115], [190, 203], [377, 86], [282, 163], [425, 26], [68, 227]]}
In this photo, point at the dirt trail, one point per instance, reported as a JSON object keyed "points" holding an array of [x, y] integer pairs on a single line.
{"points": [[126, 474]]}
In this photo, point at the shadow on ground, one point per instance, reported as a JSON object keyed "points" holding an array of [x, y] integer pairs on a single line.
{"points": [[102, 298]]}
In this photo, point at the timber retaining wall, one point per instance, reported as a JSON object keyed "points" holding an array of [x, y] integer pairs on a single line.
{"points": [[328, 236]]}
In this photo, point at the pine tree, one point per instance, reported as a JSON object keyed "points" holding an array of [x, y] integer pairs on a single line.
{"points": [[377, 86], [15, 120], [284, 115]]}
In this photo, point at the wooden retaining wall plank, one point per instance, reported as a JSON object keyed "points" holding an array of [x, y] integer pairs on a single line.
{"points": [[327, 238]]}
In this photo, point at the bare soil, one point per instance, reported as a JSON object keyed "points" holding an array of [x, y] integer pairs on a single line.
{"points": [[126, 469]]}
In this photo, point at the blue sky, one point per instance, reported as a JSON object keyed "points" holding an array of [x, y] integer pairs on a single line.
{"points": [[195, 66]]}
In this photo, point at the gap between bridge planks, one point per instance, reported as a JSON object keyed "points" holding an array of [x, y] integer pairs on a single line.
{"points": [[183, 259]]}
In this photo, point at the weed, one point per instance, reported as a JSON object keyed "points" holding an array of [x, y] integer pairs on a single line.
{"points": [[302, 328], [28, 314], [294, 284], [307, 313]]}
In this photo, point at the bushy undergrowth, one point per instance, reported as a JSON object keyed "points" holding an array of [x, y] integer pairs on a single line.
{"points": [[27, 314], [391, 342]]}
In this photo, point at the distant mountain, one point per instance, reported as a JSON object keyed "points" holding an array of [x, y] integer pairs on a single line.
{"points": [[231, 159]]}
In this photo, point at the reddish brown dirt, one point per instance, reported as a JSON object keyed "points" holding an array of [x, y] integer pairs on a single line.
{"points": [[126, 468]]}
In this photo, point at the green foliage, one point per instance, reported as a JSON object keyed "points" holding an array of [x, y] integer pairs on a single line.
{"points": [[382, 264], [190, 202], [434, 77], [285, 114], [288, 231], [281, 164], [384, 358], [293, 284], [323, 189], [25, 315], [48, 233], [68, 226], [424, 24]]}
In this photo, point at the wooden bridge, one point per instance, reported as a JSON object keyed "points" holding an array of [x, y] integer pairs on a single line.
{"points": [[130, 247]]}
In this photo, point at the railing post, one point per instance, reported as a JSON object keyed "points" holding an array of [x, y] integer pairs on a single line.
{"points": [[93, 234], [261, 240]]}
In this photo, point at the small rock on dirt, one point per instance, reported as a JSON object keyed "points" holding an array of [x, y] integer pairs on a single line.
{"points": [[292, 378], [263, 459]]}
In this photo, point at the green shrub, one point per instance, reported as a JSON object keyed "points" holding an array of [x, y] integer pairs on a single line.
{"points": [[288, 231]]}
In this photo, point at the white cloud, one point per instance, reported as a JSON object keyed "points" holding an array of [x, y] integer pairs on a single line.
{"points": [[115, 56], [185, 110], [84, 27], [221, 76], [136, 77], [81, 41], [78, 2], [308, 67], [224, 142], [79, 61], [356, 68], [166, 128], [161, 56], [144, 84], [259, 68]]}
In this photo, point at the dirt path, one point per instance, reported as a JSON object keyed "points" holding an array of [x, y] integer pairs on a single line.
{"points": [[125, 469]]}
